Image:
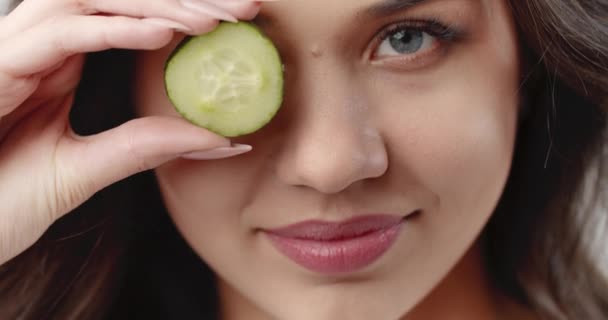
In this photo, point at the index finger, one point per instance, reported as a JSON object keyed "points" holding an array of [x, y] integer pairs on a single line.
{"points": [[45, 45]]}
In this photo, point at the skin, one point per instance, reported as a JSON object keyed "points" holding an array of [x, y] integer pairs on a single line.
{"points": [[355, 135]]}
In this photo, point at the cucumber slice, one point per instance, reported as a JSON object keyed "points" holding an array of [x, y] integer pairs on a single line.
{"points": [[229, 81]]}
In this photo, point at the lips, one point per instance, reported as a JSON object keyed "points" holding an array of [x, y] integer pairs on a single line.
{"points": [[337, 247]]}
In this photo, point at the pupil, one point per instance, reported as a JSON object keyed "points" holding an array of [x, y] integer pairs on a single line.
{"points": [[406, 41]]}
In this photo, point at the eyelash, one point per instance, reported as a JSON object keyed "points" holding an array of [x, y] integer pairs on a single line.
{"points": [[444, 34]]}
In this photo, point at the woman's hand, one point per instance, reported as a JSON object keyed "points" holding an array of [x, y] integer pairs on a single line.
{"points": [[45, 169]]}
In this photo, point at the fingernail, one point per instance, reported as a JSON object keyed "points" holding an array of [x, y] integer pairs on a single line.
{"points": [[167, 23], [208, 9], [218, 153]]}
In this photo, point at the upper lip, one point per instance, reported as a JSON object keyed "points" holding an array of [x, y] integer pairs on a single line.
{"points": [[327, 231]]}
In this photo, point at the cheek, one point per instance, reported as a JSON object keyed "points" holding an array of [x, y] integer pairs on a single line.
{"points": [[463, 157], [205, 198], [456, 140]]}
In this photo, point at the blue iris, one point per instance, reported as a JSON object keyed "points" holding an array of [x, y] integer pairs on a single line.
{"points": [[407, 41]]}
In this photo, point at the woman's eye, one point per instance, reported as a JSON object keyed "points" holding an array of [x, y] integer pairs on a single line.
{"points": [[407, 41], [413, 44]]}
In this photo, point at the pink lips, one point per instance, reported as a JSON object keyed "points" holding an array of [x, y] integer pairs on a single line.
{"points": [[337, 247]]}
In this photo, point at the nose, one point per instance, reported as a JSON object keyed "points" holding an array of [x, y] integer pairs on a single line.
{"points": [[331, 142]]}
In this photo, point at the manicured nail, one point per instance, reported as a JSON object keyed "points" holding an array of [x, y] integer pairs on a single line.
{"points": [[167, 23], [218, 153], [208, 9]]}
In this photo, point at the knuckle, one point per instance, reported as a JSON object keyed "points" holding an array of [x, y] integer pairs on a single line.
{"points": [[81, 6], [66, 197], [53, 23], [72, 186], [61, 197], [10, 85], [14, 90], [138, 160], [59, 33]]}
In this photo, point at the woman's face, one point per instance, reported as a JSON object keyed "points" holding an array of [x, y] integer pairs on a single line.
{"points": [[403, 112]]}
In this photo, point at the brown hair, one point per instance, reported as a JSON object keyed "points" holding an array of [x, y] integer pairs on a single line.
{"points": [[544, 243], [546, 240]]}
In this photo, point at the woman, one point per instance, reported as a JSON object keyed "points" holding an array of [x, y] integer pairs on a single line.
{"points": [[462, 139]]}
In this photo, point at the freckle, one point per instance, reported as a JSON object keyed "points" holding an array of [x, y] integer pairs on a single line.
{"points": [[316, 51]]}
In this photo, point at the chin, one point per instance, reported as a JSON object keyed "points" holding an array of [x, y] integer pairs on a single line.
{"points": [[332, 310], [334, 301]]}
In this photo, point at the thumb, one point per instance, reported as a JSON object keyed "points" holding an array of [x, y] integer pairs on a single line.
{"points": [[96, 161]]}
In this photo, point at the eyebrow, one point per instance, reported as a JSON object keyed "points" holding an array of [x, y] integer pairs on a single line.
{"points": [[390, 6], [381, 8]]}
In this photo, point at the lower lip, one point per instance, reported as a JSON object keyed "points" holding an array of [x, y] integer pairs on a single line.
{"points": [[340, 256]]}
